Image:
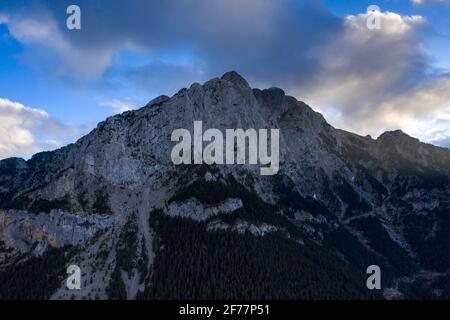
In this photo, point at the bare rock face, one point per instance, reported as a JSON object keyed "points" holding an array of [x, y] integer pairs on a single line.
{"points": [[56, 229], [335, 188], [195, 210]]}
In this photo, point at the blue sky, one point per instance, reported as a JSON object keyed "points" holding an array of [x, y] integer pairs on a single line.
{"points": [[56, 84]]}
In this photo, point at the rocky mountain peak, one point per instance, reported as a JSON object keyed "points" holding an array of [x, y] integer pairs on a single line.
{"points": [[395, 135], [157, 101], [272, 96], [235, 78]]}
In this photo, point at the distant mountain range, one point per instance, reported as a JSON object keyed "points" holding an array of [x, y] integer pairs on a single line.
{"points": [[140, 227]]}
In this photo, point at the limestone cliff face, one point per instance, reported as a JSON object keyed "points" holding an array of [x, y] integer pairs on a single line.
{"points": [[330, 181], [58, 228]]}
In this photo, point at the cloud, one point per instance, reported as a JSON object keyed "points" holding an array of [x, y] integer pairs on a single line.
{"points": [[158, 76], [217, 33], [364, 69], [378, 80], [3, 19], [25, 131], [423, 112], [138, 25], [421, 2], [42, 35], [118, 106]]}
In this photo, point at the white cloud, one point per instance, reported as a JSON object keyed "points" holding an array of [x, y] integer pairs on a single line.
{"points": [[375, 80], [3, 19], [25, 131], [423, 112], [118, 106], [392, 23], [420, 2]]}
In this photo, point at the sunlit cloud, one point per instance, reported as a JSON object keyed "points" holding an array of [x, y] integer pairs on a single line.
{"points": [[25, 130], [118, 106], [421, 2]]}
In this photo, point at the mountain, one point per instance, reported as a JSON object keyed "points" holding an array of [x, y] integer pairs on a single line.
{"points": [[140, 227]]}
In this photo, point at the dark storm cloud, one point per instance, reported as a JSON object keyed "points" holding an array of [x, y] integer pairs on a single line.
{"points": [[268, 41]]}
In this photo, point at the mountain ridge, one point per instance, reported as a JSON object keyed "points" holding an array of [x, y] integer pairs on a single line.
{"points": [[356, 200]]}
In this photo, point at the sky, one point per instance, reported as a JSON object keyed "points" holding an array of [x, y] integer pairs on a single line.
{"points": [[56, 84]]}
